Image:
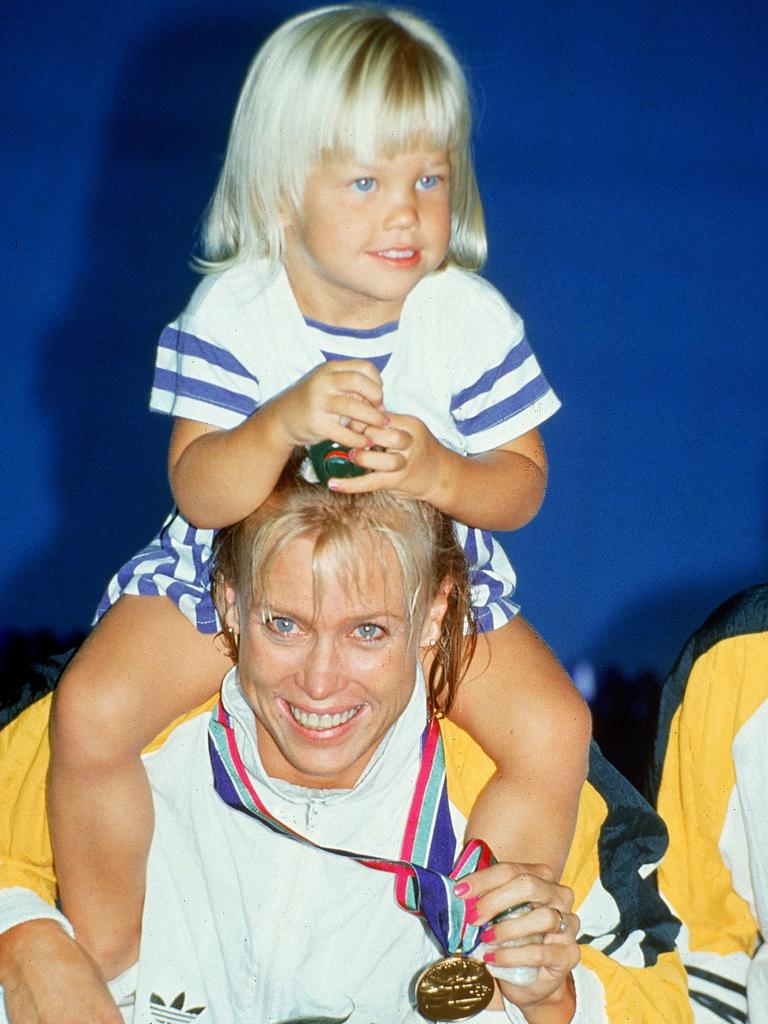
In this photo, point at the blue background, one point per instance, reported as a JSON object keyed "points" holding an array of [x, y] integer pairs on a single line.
{"points": [[621, 152]]}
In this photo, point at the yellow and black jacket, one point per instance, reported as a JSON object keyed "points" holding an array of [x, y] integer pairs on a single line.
{"points": [[710, 783], [627, 933]]}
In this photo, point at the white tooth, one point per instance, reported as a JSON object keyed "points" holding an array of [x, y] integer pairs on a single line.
{"points": [[311, 720]]}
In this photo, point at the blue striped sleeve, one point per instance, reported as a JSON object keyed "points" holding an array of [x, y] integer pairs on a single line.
{"points": [[513, 360], [514, 392], [200, 380]]}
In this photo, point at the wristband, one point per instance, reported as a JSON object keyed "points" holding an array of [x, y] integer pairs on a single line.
{"points": [[19, 905]]}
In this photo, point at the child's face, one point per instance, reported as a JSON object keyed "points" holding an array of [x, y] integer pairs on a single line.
{"points": [[365, 235]]}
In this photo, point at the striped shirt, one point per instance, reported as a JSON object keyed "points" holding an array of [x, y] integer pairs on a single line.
{"points": [[458, 358]]}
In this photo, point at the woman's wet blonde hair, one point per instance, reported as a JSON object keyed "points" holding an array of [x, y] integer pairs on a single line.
{"points": [[340, 81], [346, 530]]}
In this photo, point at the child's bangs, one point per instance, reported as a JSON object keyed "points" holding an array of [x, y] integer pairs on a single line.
{"points": [[396, 120], [389, 99]]}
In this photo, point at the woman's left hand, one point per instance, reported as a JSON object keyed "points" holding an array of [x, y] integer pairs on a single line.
{"points": [[548, 932]]}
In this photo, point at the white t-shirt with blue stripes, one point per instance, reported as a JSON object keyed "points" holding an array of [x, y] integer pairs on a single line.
{"points": [[458, 359]]}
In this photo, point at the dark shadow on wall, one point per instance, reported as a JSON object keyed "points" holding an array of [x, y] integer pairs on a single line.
{"points": [[625, 707], [20, 684], [662, 622], [624, 715], [161, 152]]}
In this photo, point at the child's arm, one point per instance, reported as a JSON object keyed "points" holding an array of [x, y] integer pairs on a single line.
{"points": [[519, 705], [516, 702], [220, 476], [497, 490]]}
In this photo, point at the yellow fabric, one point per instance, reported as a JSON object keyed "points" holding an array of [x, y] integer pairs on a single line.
{"points": [[643, 995], [468, 769], [725, 688], [647, 995], [25, 845], [158, 741], [651, 995], [26, 858]]}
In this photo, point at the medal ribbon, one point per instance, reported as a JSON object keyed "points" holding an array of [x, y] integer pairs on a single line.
{"points": [[425, 874]]}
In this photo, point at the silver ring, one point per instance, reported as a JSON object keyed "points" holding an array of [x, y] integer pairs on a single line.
{"points": [[343, 421], [563, 920]]}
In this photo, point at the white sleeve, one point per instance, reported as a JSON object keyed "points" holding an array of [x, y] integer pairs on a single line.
{"points": [[200, 372], [590, 1000], [757, 987], [17, 906], [503, 392], [749, 761], [123, 989]]}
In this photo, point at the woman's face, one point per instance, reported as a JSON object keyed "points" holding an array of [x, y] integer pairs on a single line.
{"points": [[327, 675]]}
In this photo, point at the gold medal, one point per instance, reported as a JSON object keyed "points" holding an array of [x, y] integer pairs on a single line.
{"points": [[455, 988]]}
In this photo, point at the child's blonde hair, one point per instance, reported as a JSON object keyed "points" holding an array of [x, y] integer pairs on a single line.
{"points": [[340, 80]]}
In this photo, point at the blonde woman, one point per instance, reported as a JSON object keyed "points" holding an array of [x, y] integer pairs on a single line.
{"points": [[292, 809]]}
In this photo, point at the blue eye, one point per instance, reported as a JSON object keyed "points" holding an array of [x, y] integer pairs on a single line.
{"points": [[428, 181], [281, 624], [369, 631], [364, 184]]}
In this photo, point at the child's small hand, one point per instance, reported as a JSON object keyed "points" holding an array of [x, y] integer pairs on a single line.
{"points": [[550, 927], [336, 401], [403, 456]]}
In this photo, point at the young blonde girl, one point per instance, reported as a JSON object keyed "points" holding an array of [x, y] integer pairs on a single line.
{"points": [[340, 301]]}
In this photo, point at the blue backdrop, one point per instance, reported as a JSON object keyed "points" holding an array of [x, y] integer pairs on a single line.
{"points": [[621, 151]]}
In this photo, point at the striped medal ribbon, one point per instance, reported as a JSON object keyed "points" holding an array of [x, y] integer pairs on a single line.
{"points": [[426, 873]]}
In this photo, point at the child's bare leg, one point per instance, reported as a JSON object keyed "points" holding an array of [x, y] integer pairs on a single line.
{"points": [[518, 703], [142, 666]]}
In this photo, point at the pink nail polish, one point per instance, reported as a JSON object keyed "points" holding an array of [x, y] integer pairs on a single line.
{"points": [[488, 935], [489, 957], [333, 484], [472, 914], [461, 888]]}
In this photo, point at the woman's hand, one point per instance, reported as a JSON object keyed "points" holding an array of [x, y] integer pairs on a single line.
{"points": [[48, 978], [548, 932]]}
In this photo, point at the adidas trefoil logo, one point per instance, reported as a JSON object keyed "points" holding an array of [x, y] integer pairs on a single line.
{"points": [[173, 1014]]}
